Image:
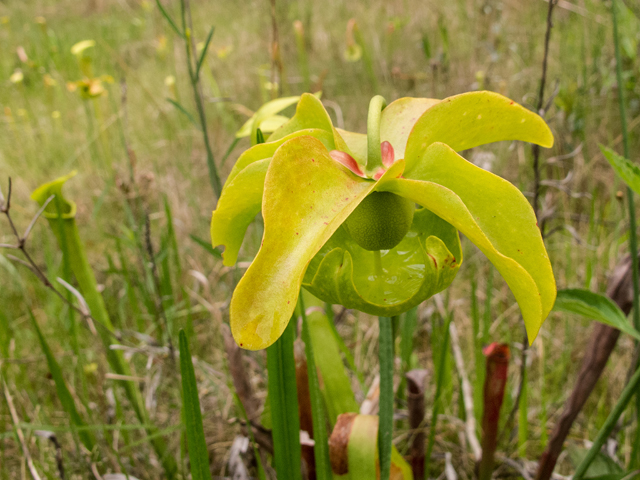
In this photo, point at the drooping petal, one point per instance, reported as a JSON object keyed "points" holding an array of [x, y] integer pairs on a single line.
{"points": [[307, 196], [398, 119], [471, 119], [240, 202], [424, 263], [495, 216], [266, 150]]}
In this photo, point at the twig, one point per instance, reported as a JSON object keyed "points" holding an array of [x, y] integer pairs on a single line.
{"points": [[467, 394], [536, 195], [5, 207], [52, 437], [16, 422]]}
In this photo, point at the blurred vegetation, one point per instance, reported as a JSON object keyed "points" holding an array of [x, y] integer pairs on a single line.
{"points": [[121, 112]]}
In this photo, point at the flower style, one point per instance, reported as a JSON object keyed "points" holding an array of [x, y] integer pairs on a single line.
{"points": [[340, 217]]}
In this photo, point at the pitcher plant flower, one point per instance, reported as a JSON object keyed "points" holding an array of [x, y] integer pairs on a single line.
{"points": [[340, 216]]}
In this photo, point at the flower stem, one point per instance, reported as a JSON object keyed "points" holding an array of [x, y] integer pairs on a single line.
{"points": [[374, 154], [385, 425], [609, 424]]}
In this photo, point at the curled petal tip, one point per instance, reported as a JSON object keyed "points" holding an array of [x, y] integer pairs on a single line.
{"points": [[348, 161], [388, 155]]}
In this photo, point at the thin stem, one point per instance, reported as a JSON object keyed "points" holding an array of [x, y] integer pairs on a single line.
{"points": [[385, 425], [609, 425], [190, 48]]}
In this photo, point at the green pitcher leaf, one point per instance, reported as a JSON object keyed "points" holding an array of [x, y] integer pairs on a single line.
{"points": [[472, 119], [495, 216], [398, 119], [354, 450], [628, 171], [307, 196], [335, 384], [424, 263], [594, 306]]}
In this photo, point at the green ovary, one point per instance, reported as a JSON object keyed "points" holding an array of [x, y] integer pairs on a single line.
{"points": [[381, 221]]}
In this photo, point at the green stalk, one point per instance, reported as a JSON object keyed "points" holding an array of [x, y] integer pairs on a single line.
{"points": [[436, 401], [385, 427], [194, 76], [77, 259], [321, 446], [633, 240], [609, 425], [283, 396]]}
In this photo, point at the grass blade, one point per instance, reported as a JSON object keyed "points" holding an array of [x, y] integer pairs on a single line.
{"points": [[444, 351], [321, 447], [184, 111], [207, 246], [385, 430], [203, 54], [198, 455], [62, 390], [171, 22], [283, 396]]}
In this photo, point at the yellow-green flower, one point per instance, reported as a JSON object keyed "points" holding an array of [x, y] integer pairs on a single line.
{"points": [[330, 198]]}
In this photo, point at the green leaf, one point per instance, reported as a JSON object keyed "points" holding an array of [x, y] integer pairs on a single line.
{"points": [[198, 456], [626, 169], [594, 306], [184, 111], [336, 385], [283, 395], [472, 119], [494, 215], [321, 447], [203, 54], [206, 245], [171, 22], [86, 437], [307, 196], [424, 263]]}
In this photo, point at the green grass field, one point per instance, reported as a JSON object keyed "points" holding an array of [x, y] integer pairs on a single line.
{"points": [[144, 204]]}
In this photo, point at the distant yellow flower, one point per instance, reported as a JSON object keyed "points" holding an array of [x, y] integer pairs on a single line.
{"points": [[80, 47], [17, 76]]}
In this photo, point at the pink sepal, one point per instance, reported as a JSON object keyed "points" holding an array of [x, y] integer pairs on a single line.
{"points": [[348, 161]]}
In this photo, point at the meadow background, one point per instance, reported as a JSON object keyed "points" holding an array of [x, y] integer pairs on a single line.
{"points": [[145, 202]]}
